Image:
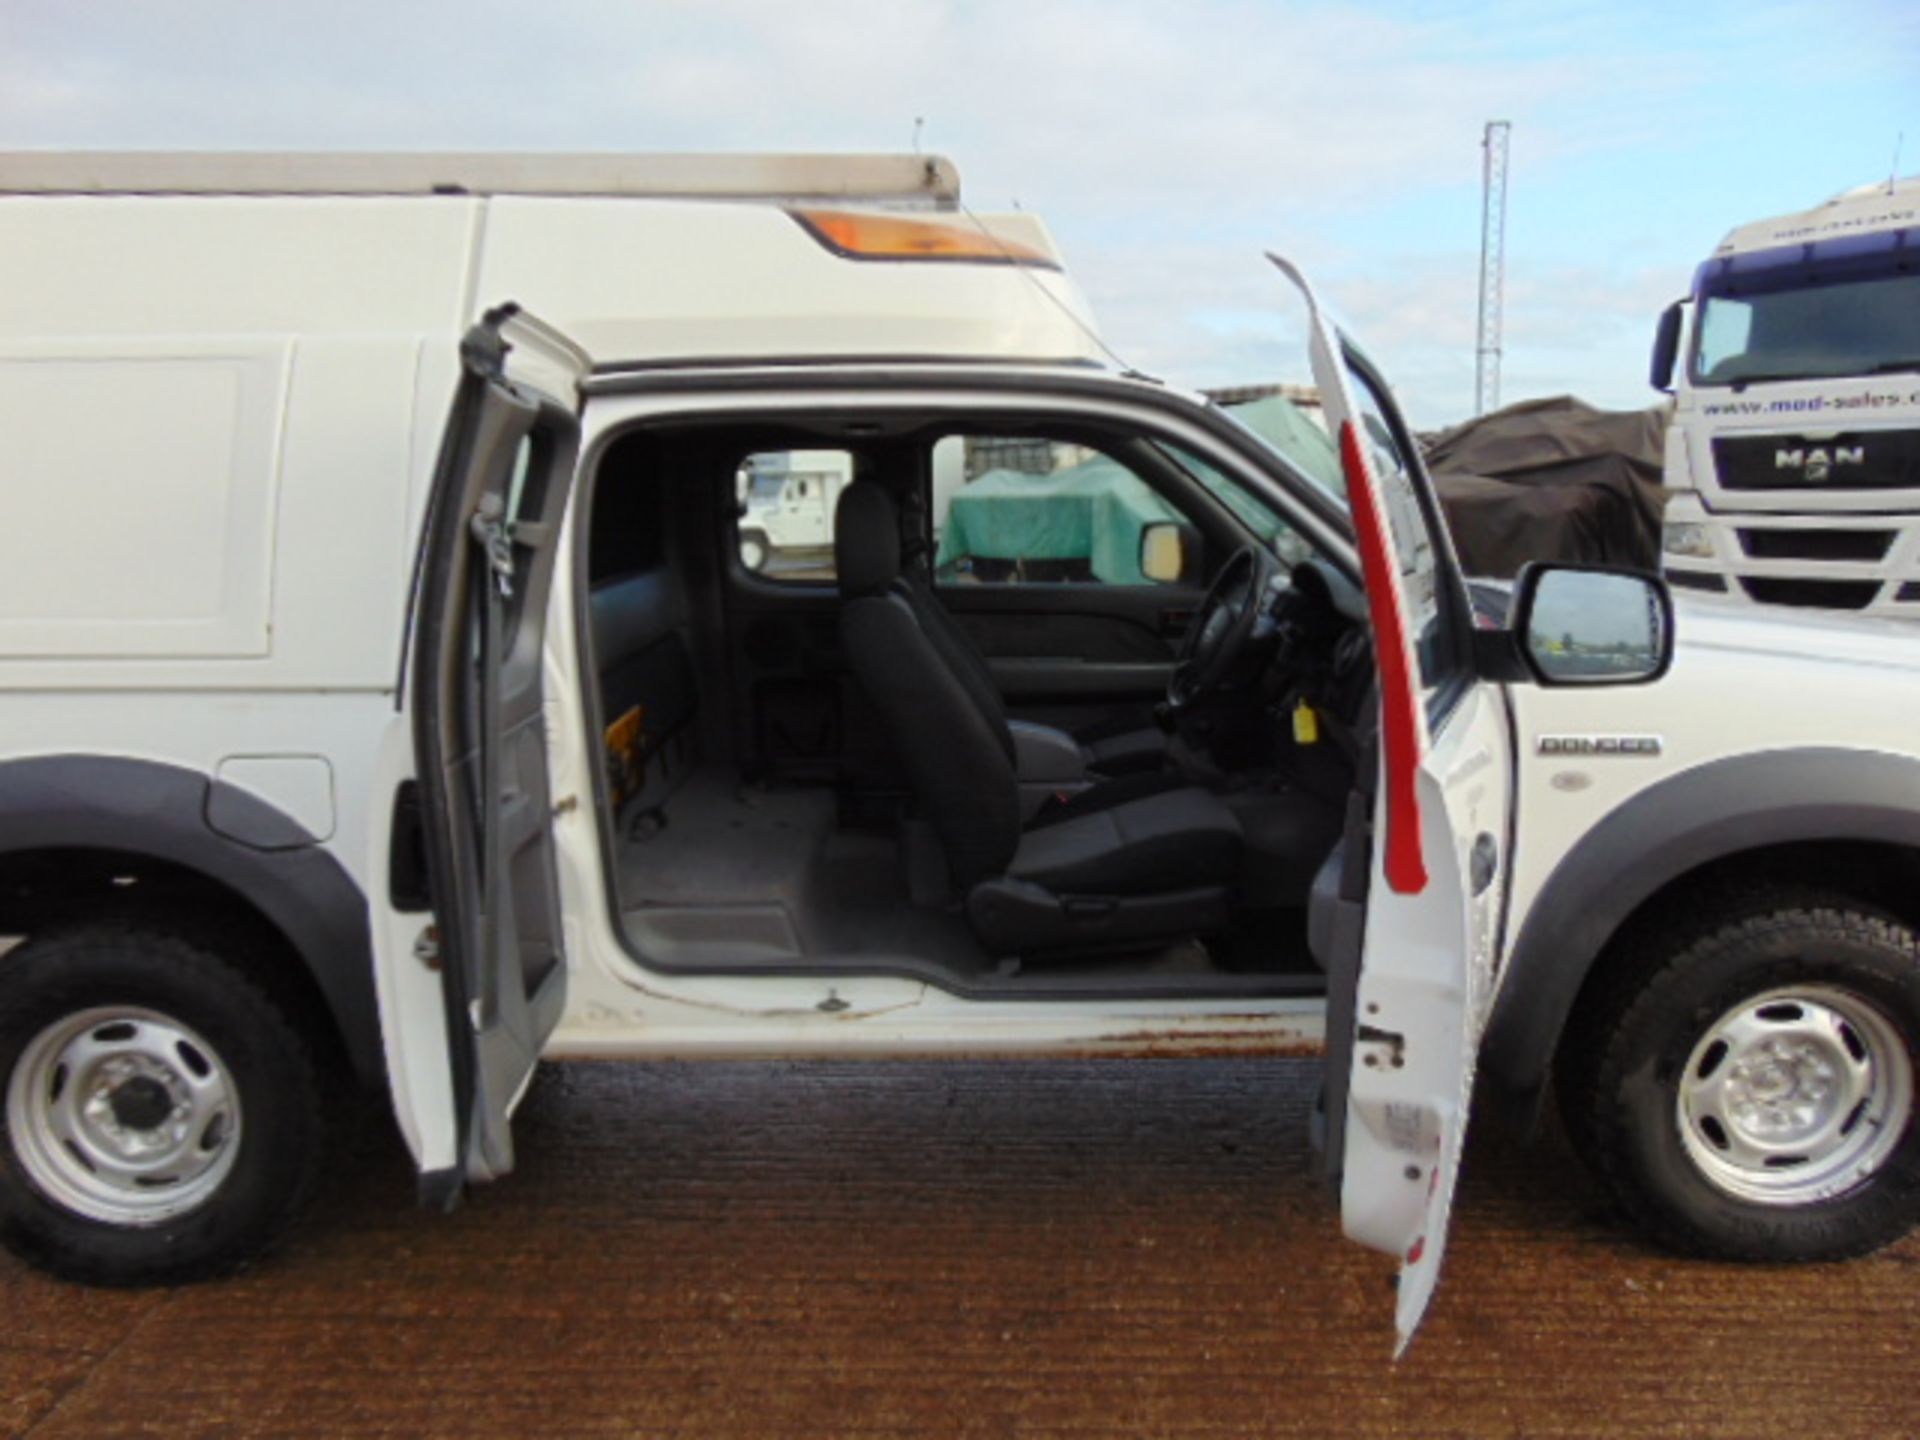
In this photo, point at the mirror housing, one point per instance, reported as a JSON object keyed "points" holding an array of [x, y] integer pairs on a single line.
{"points": [[1587, 625], [1666, 347], [1167, 551]]}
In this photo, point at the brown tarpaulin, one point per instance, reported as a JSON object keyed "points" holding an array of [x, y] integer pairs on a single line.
{"points": [[1552, 479]]}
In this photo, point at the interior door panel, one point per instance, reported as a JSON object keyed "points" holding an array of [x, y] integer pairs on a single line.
{"points": [[1069, 654], [479, 720]]}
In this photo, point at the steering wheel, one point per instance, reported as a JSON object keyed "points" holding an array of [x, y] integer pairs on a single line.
{"points": [[1221, 628]]}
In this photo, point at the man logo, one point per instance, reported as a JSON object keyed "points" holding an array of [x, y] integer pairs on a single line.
{"points": [[1599, 745], [1817, 464]]}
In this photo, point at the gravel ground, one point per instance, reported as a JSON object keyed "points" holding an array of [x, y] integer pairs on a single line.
{"points": [[992, 1249]]}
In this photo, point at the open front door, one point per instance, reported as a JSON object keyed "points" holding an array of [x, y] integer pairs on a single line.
{"points": [[1411, 1004], [480, 746]]}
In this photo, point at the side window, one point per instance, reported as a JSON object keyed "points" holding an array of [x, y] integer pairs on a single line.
{"points": [[785, 503], [1725, 328], [1025, 511], [525, 498], [1412, 539], [1249, 509]]}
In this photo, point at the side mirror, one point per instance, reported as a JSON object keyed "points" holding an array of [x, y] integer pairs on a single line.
{"points": [[1581, 626], [1666, 347], [1167, 549]]}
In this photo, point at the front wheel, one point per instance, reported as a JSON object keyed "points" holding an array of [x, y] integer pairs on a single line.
{"points": [[755, 550], [1747, 1088], [162, 1118]]}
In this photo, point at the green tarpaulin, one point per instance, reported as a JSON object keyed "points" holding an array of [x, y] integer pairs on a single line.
{"points": [[1092, 512], [1298, 436]]}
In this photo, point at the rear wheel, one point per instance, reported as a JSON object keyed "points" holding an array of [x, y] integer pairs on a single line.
{"points": [[162, 1118], [1746, 1087]]}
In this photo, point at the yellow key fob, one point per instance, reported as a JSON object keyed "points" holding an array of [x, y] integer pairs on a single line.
{"points": [[1306, 724]]}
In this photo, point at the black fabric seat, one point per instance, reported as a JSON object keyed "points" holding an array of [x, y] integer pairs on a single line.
{"points": [[1106, 749], [1105, 794], [1125, 868], [1170, 841]]}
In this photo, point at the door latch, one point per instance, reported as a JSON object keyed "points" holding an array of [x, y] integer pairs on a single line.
{"points": [[1380, 1049]]}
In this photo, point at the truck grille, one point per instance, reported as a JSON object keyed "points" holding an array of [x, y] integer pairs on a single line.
{"points": [[1857, 460], [1816, 594], [1771, 544]]}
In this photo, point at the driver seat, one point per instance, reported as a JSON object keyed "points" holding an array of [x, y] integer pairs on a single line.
{"points": [[1131, 863]]}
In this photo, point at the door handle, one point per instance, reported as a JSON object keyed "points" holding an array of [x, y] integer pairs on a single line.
{"points": [[1485, 863]]}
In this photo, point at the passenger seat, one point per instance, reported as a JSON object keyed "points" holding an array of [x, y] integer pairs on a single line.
{"points": [[1137, 862]]}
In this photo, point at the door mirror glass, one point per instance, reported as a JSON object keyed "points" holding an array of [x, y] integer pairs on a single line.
{"points": [[1666, 346], [1164, 551], [1594, 627]]}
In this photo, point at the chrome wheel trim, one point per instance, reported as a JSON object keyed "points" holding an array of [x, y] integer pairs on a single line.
{"points": [[123, 1115], [1795, 1096]]}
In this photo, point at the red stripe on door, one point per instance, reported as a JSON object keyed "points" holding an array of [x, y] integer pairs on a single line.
{"points": [[1402, 858]]}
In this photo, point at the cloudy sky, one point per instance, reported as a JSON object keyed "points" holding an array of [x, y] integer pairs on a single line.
{"points": [[1166, 144]]}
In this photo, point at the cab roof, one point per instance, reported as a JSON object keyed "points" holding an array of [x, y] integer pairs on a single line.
{"points": [[1865, 209]]}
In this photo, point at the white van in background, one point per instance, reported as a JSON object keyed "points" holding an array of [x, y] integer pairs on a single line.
{"points": [[387, 694], [787, 503]]}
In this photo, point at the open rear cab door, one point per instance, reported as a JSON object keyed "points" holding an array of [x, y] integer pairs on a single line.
{"points": [[475, 693], [1405, 1013]]}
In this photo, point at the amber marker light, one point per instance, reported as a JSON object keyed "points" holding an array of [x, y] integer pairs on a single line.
{"points": [[858, 236]]}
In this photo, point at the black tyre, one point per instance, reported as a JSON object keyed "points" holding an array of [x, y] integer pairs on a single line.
{"points": [[1745, 1083], [162, 1118], [755, 550]]}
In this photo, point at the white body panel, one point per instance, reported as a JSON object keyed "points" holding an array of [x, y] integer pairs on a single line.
{"points": [[1745, 680], [652, 280]]}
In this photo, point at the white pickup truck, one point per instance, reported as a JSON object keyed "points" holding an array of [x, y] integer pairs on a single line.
{"points": [[387, 700]]}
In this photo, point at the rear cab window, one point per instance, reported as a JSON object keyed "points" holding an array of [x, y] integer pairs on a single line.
{"points": [[784, 503]]}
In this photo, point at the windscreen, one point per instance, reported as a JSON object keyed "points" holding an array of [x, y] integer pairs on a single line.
{"points": [[1809, 313], [1298, 438]]}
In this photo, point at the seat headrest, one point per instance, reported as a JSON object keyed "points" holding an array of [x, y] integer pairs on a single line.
{"points": [[866, 539]]}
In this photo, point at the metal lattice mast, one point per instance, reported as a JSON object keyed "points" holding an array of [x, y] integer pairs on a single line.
{"points": [[1493, 265]]}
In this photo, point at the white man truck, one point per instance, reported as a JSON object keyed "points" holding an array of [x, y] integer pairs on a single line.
{"points": [[1794, 453], [384, 697]]}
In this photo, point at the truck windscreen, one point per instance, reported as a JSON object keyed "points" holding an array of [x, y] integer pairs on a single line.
{"points": [[1815, 316]]}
